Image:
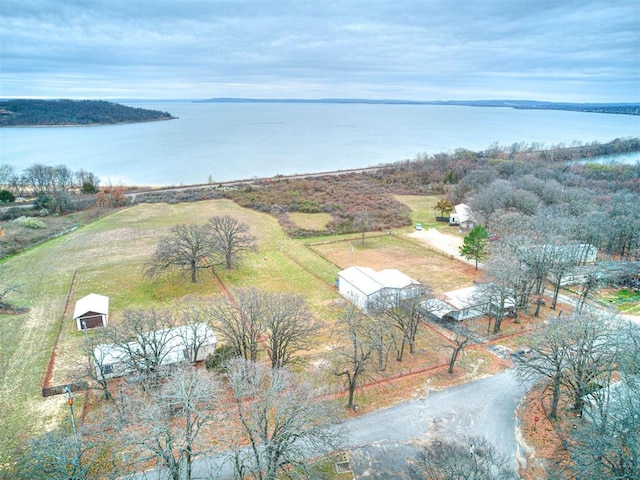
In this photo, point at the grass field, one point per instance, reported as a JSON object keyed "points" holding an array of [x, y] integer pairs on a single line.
{"points": [[421, 209], [109, 256]]}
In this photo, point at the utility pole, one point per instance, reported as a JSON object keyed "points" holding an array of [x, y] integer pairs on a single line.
{"points": [[67, 390]]}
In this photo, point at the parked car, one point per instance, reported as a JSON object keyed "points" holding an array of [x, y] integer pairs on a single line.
{"points": [[418, 226]]}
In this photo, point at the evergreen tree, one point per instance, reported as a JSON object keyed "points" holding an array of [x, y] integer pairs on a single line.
{"points": [[475, 244]]}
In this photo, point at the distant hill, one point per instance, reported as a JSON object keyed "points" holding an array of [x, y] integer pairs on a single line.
{"points": [[15, 113], [619, 108]]}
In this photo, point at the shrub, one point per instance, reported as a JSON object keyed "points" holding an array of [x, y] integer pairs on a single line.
{"points": [[6, 196], [217, 360], [30, 222]]}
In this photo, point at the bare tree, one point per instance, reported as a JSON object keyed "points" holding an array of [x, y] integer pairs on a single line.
{"points": [[460, 342], [280, 321], [362, 222], [231, 239], [356, 349], [6, 172], [238, 320], [288, 325], [87, 181], [405, 318], [508, 282], [383, 338], [63, 179], [187, 246], [606, 444], [55, 456], [591, 356], [97, 366], [280, 422], [164, 426], [473, 458], [577, 355], [566, 257], [196, 330], [40, 178], [144, 341], [624, 225], [547, 359]]}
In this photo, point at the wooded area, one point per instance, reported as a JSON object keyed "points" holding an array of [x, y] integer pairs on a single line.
{"points": [[16, 113]]}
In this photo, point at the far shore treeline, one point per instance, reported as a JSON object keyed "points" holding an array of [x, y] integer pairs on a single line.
{"points": [[30, 113]]}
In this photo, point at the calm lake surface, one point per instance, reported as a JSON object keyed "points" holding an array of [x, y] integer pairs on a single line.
{"points": [[233, 141]]}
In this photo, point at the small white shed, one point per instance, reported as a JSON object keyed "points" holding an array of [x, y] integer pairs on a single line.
{"points": [[91, 311]]}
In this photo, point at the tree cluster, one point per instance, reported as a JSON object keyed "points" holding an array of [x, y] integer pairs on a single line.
{"points": [[248, 418], [57, 189], [24, 112], [591, 359], [223, 240], [250, 321], [364, 338]]}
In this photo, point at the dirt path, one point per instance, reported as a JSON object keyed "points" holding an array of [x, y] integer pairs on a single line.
{"points": [[444, 243]]}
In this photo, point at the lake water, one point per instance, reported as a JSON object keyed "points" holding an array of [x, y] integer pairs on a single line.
{"points": [[232, 141]]}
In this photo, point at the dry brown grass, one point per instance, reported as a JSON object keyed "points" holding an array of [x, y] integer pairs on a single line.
{"points": [[310, 221], [396, 251]]}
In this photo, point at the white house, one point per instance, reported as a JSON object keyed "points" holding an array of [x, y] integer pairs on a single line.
{"points": [[369, 289], [190, 343], [91, 311], [462, 304], [462, 216]]}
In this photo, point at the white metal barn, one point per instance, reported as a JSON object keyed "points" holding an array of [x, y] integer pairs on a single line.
{"points": [[177, 344], [91, 311], [369, 289]]}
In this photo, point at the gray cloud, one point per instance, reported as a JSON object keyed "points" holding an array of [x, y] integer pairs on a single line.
{"points": [[434, 49]]}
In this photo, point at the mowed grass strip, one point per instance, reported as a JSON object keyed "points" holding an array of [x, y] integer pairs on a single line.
{"points": [[310, 221], [421, 209]]}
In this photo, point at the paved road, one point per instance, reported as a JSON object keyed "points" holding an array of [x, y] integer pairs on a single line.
{"points": [[484, 407]]}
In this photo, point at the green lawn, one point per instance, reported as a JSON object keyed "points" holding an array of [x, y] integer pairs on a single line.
{"points": [[422, 209]]}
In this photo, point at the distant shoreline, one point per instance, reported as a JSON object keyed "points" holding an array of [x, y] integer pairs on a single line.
{"points": [[73, 125], [610, 108]]}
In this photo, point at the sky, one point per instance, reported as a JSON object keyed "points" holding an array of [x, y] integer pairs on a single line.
{"points": [[559, 51]]}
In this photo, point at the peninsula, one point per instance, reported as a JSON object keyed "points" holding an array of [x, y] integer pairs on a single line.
{"points": [[49, 113]]}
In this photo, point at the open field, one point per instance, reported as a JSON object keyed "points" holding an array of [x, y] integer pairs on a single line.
{"points": [[421, 209], [109, 257], [412, 257]]}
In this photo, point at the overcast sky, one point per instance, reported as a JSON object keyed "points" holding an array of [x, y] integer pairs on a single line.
{"points": [[564, 50]]}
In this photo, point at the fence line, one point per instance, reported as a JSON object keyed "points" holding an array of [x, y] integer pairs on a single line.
{"points": [[52, 358]]}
